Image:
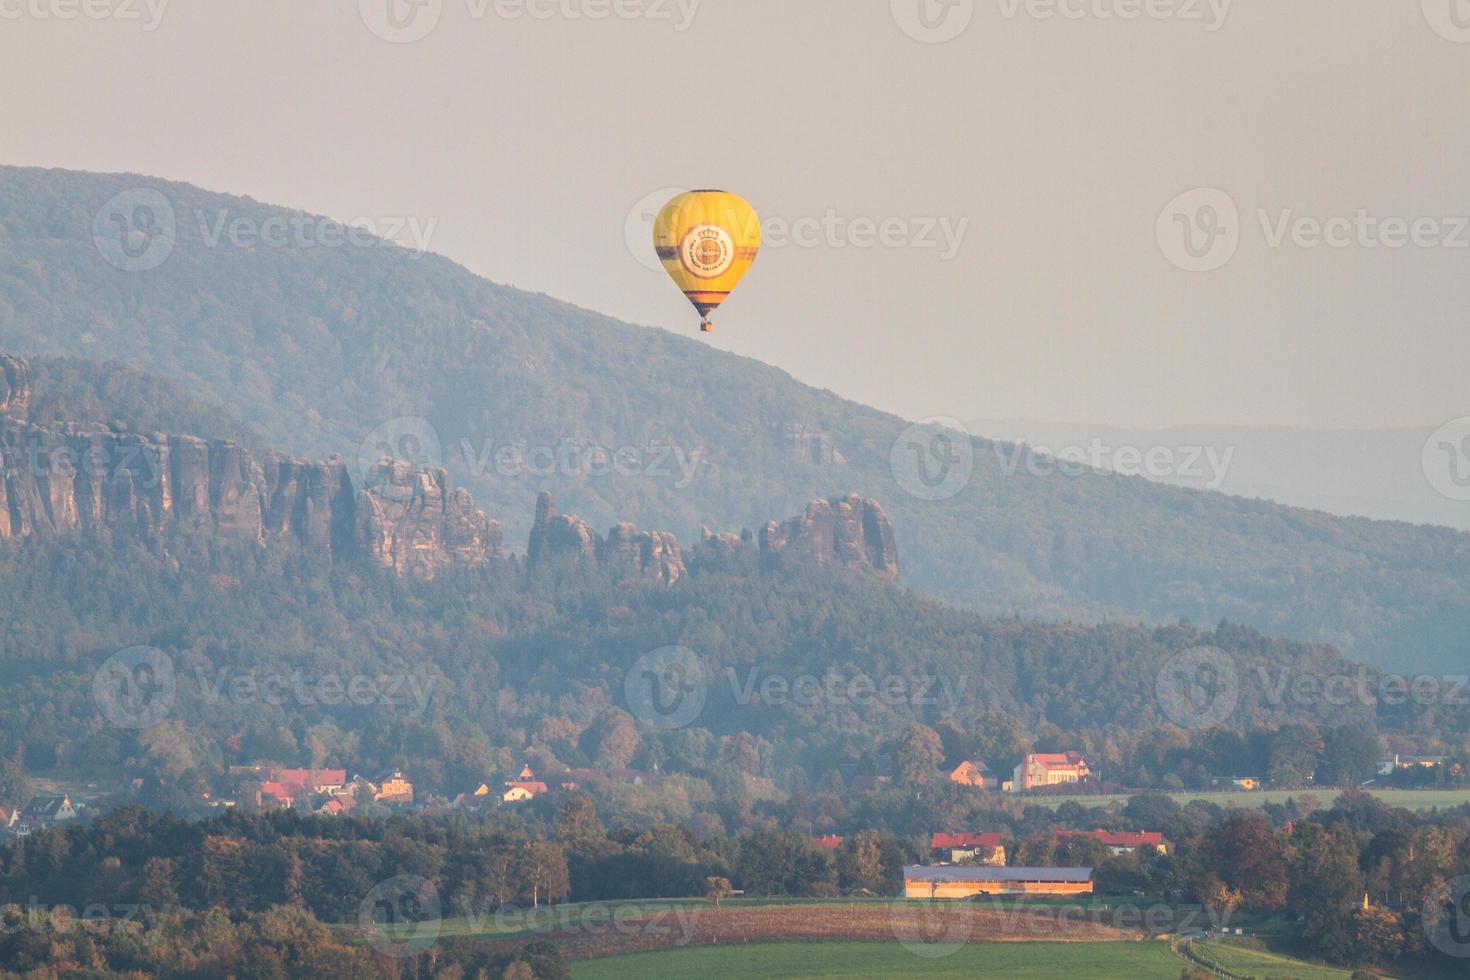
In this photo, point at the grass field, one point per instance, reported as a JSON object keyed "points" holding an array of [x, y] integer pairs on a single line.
{"points": [[1075, 961], [1409, 799], [1251, 960]]}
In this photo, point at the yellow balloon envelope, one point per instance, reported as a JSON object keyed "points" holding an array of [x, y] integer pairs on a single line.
{"points": [[707, 241]]}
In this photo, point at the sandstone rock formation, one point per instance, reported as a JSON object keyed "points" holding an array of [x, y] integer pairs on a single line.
{"points": [[411, 522], [626, 551], [15, 386], [101, 480], [98, 480], [847, 532]]}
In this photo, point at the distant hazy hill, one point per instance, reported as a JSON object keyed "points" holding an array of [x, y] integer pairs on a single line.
{"points": [[1374, 473], [317, 345]]}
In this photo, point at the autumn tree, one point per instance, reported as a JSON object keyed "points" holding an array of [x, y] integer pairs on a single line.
{"points": [[717, 889]]}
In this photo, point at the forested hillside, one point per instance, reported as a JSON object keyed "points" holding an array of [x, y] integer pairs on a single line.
{"points": [[462, 676], [320, 348]]}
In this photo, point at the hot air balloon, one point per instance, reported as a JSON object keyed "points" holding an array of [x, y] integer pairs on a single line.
{"points": [[707, 241]]}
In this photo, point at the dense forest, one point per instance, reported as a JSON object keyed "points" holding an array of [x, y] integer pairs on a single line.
{"points": [[809, 679], [316, 347]]}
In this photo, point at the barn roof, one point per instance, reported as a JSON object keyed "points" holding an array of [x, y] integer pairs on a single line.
{"points": [[949, 873]]}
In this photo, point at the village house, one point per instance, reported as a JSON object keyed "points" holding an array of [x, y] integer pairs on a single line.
{"points": [[976, 774], [828, 842], [1118, 842], [43, 811], [1039, 770], [984, 849], [520, 790], [393, 787], [967, 882], [278, 795], [337, 805], [317, 781], [528, 784]]}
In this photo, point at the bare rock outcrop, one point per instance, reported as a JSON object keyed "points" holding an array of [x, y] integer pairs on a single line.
{"points": [[847, 532], [103, 481], [626, 551], [412, 522], [15, 386]]}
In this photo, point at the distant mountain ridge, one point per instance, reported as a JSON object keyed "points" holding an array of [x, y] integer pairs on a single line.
{"points": [[318, 349], [1373, 473]]}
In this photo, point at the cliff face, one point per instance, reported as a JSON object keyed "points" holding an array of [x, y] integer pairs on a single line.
{"points": [[15, 386], [412, 522], [626, 551], [847, 532], [94, 479]]}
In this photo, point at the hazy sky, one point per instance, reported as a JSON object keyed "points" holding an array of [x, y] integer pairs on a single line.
{"points": [[1047, 147]]}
